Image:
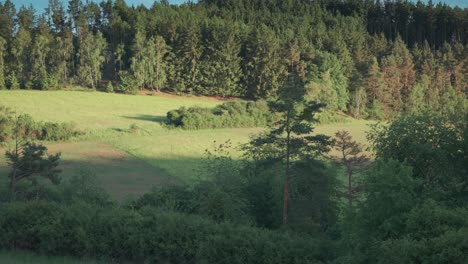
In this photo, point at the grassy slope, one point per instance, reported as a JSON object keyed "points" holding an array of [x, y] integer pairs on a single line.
{"points": [[95, 110], [131, 163]]}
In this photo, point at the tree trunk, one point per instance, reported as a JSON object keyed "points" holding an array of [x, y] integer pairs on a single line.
{"points": [[13, 189], [350, 189]]}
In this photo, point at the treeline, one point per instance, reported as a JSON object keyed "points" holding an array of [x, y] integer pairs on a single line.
{"points": [[362, 57]]}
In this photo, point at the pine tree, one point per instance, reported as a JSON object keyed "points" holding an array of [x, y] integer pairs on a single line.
{"points": [[352, 159], [2, 63], [7, 20], [291, 136]]}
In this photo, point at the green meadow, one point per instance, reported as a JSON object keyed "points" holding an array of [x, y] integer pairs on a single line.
{"points": [[126, 143]]}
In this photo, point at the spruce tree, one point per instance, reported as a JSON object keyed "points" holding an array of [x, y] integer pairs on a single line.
{"points": [[2, 63]]}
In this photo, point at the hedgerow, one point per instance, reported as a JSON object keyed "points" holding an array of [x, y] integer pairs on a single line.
{"points": [[147, 236], [227, 115]]}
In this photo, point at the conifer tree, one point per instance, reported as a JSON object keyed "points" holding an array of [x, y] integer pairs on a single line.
{"points": [[2, 63], [291, 136]]}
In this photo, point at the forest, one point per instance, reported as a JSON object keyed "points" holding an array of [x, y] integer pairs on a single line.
{"points": [[366, 58], [234, 131]]}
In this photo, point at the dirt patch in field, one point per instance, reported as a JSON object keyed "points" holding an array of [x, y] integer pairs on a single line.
{"points": [[120, 174]]}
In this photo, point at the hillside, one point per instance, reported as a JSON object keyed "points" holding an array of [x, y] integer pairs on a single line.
{"points": [[131, 163]]}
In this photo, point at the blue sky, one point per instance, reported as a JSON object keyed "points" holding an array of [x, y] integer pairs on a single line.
{"points": [[41, 4]]}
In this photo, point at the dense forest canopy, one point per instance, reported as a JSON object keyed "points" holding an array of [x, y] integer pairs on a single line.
{"points": [[368, 58]]}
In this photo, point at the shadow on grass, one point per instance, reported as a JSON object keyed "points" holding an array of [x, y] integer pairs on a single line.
{"points": [[124, 176], [149, 118]]}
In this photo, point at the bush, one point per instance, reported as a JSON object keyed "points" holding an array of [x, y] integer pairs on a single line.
{"points": [[128, 83], [56, 131], [226, 115], [109, 88], [330, 117], [12, 82], [35, 130], [147, 236]]}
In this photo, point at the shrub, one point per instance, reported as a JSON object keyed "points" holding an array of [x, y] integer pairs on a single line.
{"points": [[12, 82], [56, 131], [128, 83], [147, 236], [331, 117], [109, 88], [226, 115], [35, 130]]}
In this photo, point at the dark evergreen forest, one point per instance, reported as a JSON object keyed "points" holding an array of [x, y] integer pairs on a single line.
{"points": [[367, 58]]}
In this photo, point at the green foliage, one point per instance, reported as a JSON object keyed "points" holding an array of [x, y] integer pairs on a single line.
{"points": [[375, 111], [27, 127], [328, 84], [3, 44], [229, 114], [399, 225], [128, 84], [384, 211], [109, 87], [263, 70], [149, 66], [92, 57], [290, 138], [431, 144], [12, 82], [327, 117], [28, 161], [147, 235], [356, 55], [84, 188]]}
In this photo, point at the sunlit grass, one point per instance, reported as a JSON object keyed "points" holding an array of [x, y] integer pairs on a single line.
{"points": [[130, 162]]}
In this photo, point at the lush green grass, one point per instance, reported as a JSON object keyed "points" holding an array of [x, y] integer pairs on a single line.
{"points": [[127, 161], [96, 110], [28, 258]]}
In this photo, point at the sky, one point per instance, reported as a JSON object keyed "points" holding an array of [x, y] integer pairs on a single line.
{"points": [[41, 4]]}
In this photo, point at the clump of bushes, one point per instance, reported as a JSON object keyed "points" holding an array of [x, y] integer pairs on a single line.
{"points": [[147, 236], [328, 117], [226, 115], [27, 127]]}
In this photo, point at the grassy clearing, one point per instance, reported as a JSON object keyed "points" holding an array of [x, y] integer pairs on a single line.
{"points": [[128, 162], [96, 110], [28, 258]]}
